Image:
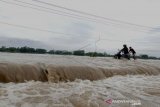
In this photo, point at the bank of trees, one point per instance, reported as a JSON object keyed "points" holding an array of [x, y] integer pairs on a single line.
{"points": [[22, 50], [26, 49], [144, 56]]}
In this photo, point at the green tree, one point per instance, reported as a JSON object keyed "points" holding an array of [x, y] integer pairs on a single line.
{"points": [[24, 49], [59, 52], [41, 51], [12, 49], [3, 49], [144, 56], [79, 52], [67, 53], [51, 52]]}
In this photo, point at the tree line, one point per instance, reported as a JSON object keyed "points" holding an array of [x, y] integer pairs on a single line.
{"points": [[26, 49]]}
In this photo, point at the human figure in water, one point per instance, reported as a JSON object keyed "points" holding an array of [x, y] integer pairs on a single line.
{"points": [[125, 52], [118, 55], [131, 50]]}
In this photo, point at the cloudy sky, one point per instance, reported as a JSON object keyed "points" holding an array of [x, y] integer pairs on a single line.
{"points": [[78, 24]]}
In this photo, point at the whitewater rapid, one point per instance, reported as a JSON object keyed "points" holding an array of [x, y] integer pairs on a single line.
{"points": [[83, 93], [68, 81]]}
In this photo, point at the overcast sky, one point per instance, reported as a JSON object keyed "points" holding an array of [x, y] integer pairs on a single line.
{"points": [[78, 32]]}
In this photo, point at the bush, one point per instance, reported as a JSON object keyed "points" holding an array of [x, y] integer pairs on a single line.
{"points": [[41, 51], [79, 52], [144, 56]]}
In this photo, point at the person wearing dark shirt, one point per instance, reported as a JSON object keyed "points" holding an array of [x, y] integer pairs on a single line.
{"points": [[125, 52], [118, 55], [131, 50]]}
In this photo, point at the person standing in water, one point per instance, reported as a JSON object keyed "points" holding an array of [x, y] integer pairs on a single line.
{"points": [[125, 52], [131, 50]]}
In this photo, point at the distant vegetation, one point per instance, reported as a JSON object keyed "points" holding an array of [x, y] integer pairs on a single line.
{"points": [[144, 56], [26, 49]]}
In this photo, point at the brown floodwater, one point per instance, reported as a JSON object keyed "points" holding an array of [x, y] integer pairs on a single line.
{"points": [[72, 81]]}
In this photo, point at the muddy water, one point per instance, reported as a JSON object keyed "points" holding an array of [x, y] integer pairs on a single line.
{"points": [[85, 93], [143, 88]]}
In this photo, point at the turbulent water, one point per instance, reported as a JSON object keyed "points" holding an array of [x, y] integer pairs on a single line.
{"points": [[68, 81]]}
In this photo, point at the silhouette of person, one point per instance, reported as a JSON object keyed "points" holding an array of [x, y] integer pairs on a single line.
{"points": [[118, 55], [125, 52], [131, 50]]}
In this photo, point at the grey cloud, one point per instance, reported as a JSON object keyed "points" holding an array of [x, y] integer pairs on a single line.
{"points": [[81, 30], [16, 42], [154, 36], [3, 17], [80, 34], [155, 30]]}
